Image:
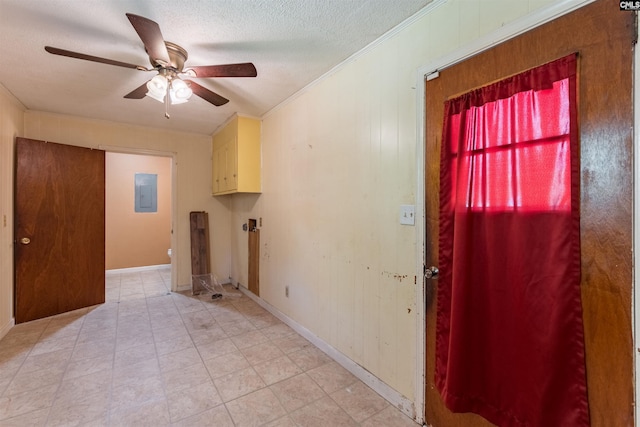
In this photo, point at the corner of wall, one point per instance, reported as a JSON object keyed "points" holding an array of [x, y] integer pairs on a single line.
{"points": [[4, 330], [12, 117]]}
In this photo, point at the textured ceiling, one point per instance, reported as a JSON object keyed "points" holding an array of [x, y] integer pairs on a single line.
{"points": [[291, 43]]}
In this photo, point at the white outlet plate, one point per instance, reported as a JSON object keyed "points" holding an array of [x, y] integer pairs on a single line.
{"points": [[408, 214]]}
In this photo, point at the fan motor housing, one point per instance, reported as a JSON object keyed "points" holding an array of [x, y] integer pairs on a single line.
{"points": [[177, 57]]}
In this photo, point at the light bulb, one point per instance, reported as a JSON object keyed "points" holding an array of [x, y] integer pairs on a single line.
{"points": [[157, 88], [180, 92]]}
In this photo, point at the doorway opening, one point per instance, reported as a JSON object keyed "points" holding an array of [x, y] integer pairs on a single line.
{"points": [[140, 241]]}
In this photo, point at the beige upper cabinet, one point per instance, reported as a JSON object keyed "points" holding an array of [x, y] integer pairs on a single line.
{"points": [[236, 157]]}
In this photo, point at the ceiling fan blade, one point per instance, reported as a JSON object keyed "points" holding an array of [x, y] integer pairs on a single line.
{"points": [[149, 32], [246, 69], [138, 93], [70, 54], [206, 94]]}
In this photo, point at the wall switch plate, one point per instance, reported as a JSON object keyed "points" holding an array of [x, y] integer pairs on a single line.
{"points": [[407, 214]]}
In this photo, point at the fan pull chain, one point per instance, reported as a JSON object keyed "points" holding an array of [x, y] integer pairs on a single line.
{"points": [[166, 103]]}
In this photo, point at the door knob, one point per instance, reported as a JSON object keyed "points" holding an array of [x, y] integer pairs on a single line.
{"points": [[25, 240], [431, 272]]}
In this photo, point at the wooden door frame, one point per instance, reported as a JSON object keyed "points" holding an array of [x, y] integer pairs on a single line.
{"points": [[479, 45], [174, 199]]}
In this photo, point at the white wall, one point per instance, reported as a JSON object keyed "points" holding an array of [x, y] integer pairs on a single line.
{"points": [[11, 125], [339, 159]]}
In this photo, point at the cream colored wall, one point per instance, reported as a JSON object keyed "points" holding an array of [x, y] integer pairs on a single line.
{"points": [[11, 125], [136, 239], [339, 159], [193, 158]]}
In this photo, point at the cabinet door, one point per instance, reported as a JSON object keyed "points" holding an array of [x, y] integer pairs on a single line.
{"points": [[231, 165], [236, 158], [218, 169]]}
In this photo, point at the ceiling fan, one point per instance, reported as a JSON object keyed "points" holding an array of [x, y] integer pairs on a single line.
{"points": [[167, 59]]}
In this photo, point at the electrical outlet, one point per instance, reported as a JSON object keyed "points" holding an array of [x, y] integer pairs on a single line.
{"points": [[286, 291]]}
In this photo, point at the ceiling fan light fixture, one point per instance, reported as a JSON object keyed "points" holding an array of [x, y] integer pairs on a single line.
{"points": [[157, 88], [180, 92], [167, 59]]}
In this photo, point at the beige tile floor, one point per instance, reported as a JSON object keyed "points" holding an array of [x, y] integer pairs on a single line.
{"points": [[151, 357]]}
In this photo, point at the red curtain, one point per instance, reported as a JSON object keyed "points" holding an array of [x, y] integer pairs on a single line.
{"points": [[509, 334]]}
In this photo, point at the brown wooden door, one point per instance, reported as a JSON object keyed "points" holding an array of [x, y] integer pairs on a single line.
{"points": [[254, 257], [59, 228], [604, 37]]}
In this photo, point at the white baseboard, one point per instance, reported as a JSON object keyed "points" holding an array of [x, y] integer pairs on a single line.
{"points": [[376, 384], [183, 288], [137, 269], [7, 327]]}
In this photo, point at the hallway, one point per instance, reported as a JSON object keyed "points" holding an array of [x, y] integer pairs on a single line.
{"points": [[151, 357]]}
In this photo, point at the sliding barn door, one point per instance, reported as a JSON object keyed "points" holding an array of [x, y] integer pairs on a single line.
{"points": [[604, 38], [59, 228]]}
